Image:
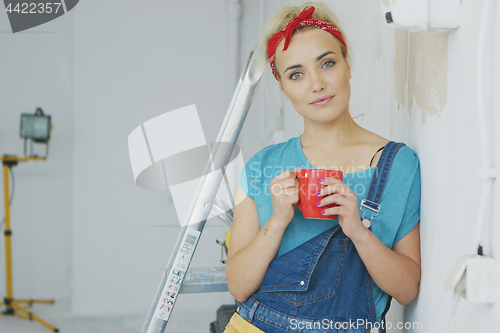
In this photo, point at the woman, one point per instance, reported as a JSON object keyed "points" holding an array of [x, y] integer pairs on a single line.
{"points": [[352, 280]]}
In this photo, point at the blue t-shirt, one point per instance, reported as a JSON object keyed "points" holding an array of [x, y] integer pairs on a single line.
{"points": [[400, 201]]}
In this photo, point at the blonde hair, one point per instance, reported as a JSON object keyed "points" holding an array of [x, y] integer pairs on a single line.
{"points": [[321, 12]]}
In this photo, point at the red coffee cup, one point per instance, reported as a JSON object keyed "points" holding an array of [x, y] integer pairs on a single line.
{"points": [[308, 187]]}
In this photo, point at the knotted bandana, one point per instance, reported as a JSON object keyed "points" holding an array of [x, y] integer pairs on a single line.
{"points": [[302, 20]]}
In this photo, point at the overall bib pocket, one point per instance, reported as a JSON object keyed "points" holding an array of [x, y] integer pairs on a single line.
{"points": [[309, 273]]}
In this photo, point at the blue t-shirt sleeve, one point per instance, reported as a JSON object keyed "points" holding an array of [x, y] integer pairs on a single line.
{"points": [[252, 178], [411, 214], [243, 177], [248, 176]]}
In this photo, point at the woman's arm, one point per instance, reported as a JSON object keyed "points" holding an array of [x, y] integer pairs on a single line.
{"points": [[396, 271], [251, 248]]}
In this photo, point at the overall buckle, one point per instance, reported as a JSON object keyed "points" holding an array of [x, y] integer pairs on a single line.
{"points": [[372, 206]]}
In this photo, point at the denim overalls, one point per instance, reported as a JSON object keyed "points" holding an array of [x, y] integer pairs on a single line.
{"points": [[322, 285]]}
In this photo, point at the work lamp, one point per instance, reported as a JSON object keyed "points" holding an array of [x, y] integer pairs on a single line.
{"points": [[35, 128]]}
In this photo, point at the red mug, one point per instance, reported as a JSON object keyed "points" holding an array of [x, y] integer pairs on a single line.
{"points": [[308, 187]]}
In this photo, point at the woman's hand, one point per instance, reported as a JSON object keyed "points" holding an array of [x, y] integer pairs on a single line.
{"points": [[284, 190], [337, 192]]}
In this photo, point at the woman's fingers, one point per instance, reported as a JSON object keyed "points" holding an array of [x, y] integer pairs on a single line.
{"points": [[335, 186], [333, 211], [336, 192], [333, 199], [285, 183], [282, 176], [284, 190]]}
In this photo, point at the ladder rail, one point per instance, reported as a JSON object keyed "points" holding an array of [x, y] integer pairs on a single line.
{"points": [[224, 212], [201, 206]]}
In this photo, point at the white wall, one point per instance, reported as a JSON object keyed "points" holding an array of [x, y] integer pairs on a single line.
{"points": [[130, 66], [82, 229], [448, 146], [36, 68]]}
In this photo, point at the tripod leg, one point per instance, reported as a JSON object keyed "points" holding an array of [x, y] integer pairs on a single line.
{"points": [[32, 316], [12, 306], [30, 302], [20, 315], [7, 234]]}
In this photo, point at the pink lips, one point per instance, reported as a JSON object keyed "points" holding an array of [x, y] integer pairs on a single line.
{"points": [[322, 100]]}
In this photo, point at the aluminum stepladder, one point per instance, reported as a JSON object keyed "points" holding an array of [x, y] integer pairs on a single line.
{"points": [[178, 278]]}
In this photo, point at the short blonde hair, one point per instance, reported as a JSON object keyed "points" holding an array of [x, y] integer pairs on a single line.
{"points": [[322, 12]]}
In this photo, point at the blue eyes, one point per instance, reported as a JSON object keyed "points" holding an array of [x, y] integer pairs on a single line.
{"points": [[298, 75], [328, 63]]}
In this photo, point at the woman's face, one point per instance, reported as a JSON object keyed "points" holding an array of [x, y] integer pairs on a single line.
{"points": [[314, 75]]}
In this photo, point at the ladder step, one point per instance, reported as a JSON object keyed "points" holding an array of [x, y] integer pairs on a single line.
{"points": [[204, 280]]}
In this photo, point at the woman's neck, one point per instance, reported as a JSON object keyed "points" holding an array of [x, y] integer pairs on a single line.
{"points": [[339, 133]]}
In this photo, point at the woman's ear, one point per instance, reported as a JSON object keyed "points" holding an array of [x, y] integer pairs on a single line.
{"points": [[348, 69]]}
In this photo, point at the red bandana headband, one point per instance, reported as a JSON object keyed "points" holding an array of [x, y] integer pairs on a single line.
{"points": [[304, 19]]}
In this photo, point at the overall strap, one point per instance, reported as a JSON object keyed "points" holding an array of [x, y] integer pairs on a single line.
{"points": [[378, 182], [375, 193]]}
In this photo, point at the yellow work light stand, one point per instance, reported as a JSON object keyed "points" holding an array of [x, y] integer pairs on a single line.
{"points": [[14, 307]]}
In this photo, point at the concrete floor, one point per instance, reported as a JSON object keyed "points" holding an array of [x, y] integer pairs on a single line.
{"points": [[58, 315]]}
